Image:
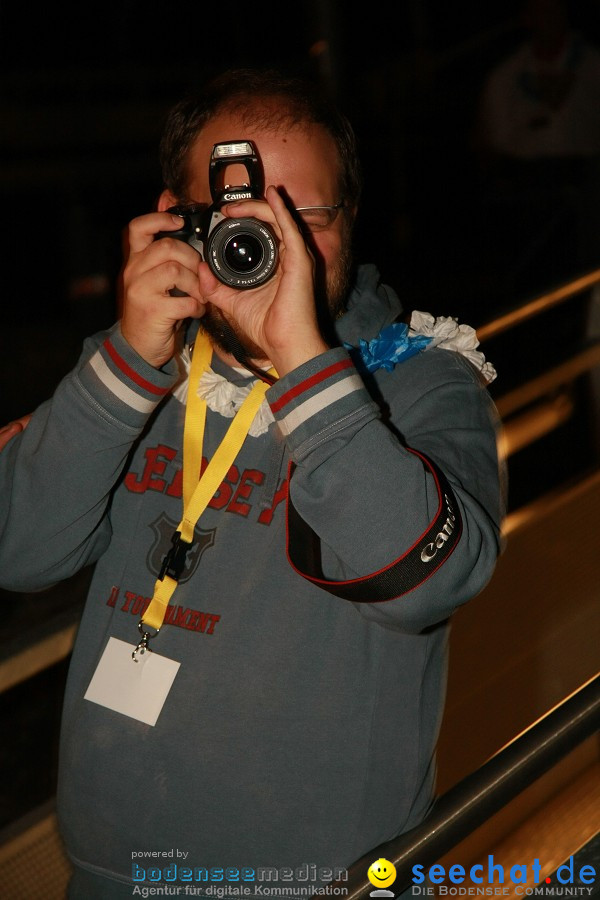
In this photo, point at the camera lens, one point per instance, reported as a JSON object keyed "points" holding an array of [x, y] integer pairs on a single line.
{"points": [[243, 253]]}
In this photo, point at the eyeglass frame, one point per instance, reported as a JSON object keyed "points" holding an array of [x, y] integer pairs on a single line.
{"points": [[299, 209], [331, 209]]}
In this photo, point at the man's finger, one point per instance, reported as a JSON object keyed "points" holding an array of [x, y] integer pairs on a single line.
{"points": [[142, 231], [13, 428]]}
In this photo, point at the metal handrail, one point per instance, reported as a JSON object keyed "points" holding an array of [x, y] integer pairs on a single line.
{"points": [[538, 395], [550, 380], [482, 793], [538, 305]]}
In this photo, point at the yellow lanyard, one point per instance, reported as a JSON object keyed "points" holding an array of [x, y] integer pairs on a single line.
{"points": [[198, 490]]}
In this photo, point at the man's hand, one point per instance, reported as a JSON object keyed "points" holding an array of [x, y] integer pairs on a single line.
{"points": [[279, 316], [151, 316], [13, 428]]}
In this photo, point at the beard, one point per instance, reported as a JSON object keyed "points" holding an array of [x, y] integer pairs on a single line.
{"points": [[337, 283], [331, 292], [229, 338]]}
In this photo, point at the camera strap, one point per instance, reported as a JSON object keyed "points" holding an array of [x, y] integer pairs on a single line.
{"points": [[410, 570], [234, 346]]}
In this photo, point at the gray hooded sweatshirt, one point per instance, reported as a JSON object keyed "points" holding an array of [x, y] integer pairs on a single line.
{"points": [[300, 730]]}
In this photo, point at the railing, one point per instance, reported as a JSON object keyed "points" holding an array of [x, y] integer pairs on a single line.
{"points": [[485, 791], [543, 403], [538, 305]]}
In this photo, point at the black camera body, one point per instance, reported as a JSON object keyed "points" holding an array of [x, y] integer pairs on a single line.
{"points": [[242, 253]]}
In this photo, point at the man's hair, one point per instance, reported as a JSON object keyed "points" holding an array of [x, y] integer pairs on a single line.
{"points": [[267, 98]]}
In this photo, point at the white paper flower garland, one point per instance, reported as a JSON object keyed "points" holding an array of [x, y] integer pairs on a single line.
{"points": [[394, 343], [221, 395], [446, 333]]}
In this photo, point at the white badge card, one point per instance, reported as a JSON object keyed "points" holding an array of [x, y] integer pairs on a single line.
{"points": [[135, 689]]}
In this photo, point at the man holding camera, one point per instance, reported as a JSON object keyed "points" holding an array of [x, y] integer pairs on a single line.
{"points": [[284, 509]]}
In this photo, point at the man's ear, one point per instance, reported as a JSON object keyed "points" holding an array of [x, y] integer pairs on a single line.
{"points": [[165, 201]]}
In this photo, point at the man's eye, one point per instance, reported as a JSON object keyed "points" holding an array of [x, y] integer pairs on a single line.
{"points": [[314, 219]]}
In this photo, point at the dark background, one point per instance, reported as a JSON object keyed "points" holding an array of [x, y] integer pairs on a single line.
{"points": [[83, 96]]}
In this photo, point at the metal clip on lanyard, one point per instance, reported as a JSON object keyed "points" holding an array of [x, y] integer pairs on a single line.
{"points": [[173, 565], [143, 644], [197, 492]]}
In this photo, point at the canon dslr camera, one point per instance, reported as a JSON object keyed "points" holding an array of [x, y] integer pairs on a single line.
{"points": [[241, 252]]}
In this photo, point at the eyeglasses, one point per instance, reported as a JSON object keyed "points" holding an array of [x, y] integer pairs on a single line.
{"points": [[318, 218], [310, 218]]}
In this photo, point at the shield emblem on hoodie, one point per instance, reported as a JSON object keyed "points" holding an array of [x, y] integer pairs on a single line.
{"points": [[163, 529]]}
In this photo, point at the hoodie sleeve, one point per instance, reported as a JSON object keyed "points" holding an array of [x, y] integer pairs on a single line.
{"points": [[58, 475], [369, 499]]}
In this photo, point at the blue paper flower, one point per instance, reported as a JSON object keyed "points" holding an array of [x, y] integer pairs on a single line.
{"points": [[392, 345]]}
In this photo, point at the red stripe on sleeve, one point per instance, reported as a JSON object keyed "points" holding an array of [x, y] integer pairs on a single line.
{"points": [[127, 370], [310, 382]]}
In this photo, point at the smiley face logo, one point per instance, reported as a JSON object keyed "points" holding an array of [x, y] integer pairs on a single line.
{"points": [[381, 873]]}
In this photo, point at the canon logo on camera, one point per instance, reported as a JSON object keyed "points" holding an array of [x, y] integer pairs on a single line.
{"points": [[246, 195]]}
